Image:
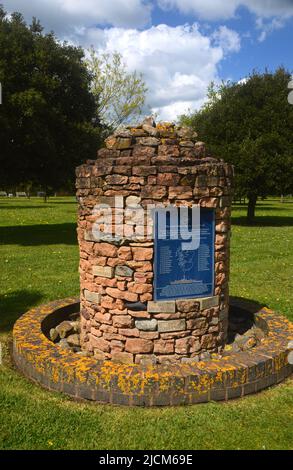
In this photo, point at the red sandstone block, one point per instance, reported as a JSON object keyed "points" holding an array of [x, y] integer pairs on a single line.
{"points": [[208, 313], [119, 304], [115, 293], [102, 169], [153, 191], [100, 260], [116, 344], [139, 288], [113, 336], [149, 335], [125, 253], [133, 187], [171, 150], [187, 345], [83, 255], [167, 179], [197, 324], [116, 311], [131, 296], [122, 170], [105, 249], [124, 357], [208, 341], [219, 267], [106, 282], [129, 332], [141, 266], [145, 297], [180, 192], [107, 301], [148, 141], [86, 246], [138, 345], [122, 321], [164, 160], [214, 329], [99, 343], [121, 285], [164, 346], [188, 305], [152, 179], [177, 334], [117, 192], [84, 265], [142, 150], [211, 202], [142, 314], [136, 180], [95, 332], [220, 279], [108, 329], [103, 318], [142, 278], [144, 170], [107, 153], [169, 316], [142, 254], [113, 262]]}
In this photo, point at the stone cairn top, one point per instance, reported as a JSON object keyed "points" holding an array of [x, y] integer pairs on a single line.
{"points": [[172, 140]]}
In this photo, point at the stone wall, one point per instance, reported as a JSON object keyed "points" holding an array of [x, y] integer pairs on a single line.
{"points": [[160, 165]]}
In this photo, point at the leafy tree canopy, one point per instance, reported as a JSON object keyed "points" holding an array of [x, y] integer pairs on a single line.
{"points": [[47, 123], [120, 94], [250, 124]]}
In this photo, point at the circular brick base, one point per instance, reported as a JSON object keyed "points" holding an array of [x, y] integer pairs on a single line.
{"points": [[230, 377]]}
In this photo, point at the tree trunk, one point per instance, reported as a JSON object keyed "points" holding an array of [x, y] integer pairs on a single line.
{"points": [[252, 198]]}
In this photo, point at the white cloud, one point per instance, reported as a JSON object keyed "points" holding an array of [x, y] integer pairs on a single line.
{"points": [[224, 9], [178, 63], [228, 39], [267, 27], [204, 9], [68, 16], [270, 14]]}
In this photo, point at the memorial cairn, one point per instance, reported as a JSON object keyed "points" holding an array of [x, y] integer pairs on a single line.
{"points": [[154, 237]]}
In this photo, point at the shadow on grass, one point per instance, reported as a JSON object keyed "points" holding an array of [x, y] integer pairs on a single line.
{"points": [[34, 235], [265, 208], [251, 305], [8, 205], [264, 221], [14, 304], [36, 207]]}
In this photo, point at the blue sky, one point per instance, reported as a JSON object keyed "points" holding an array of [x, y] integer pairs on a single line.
{"points": [[178, 45], [276, 49]]}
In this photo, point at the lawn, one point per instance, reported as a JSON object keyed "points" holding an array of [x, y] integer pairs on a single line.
{"points": [[39, 261]]}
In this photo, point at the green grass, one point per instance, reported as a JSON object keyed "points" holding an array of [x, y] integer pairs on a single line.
{"points": [[39, 259]]}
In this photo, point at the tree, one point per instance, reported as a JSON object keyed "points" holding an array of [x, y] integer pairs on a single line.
{"points": [[47, 119], [250, 124], [120, 94]]}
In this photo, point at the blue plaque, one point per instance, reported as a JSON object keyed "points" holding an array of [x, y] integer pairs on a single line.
{"points": [[181, 272]]}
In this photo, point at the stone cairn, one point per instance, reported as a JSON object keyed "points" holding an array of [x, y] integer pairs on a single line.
{"points": [[162, 165]]}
